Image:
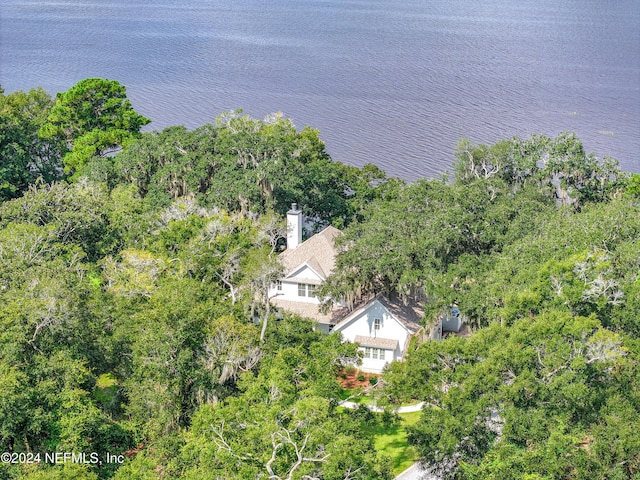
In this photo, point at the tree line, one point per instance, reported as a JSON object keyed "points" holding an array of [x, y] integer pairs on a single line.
{"points": [[134, 265]]}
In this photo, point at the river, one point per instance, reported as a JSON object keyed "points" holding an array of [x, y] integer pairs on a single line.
{"points": [[392, 82]]}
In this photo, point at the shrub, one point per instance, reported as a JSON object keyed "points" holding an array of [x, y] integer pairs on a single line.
{"points": [[390, 418], [350, 369], [364, 415]]}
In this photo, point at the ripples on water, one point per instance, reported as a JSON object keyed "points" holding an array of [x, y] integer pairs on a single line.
{"points": [[393, 82]]}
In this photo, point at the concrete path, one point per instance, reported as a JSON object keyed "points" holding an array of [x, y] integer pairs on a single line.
{"points": [[404, 409], [414, 472]]}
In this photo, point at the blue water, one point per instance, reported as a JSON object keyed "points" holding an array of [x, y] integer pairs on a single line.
{"points": [[392, 82]]}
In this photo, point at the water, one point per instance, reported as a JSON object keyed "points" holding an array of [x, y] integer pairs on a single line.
{"points": [[392, 82]]}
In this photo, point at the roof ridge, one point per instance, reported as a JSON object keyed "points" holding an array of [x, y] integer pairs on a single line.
{"points": [[317, 251]]}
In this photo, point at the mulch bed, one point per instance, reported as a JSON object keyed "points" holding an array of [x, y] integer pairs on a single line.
{"points": [[350, 380]]}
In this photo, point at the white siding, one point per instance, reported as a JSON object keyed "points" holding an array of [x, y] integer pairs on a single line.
{"points": [[304, 273], [390, 328], [289, 289], [375, 365]]}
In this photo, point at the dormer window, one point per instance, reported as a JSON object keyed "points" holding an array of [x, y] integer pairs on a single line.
{"points": [[306, 290]]}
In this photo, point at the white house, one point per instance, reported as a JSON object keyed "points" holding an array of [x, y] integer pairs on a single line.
{"points": [[306, 265], [381, 326]]}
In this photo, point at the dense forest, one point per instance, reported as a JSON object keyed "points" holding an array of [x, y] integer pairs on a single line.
{"points": [[135, 326]]}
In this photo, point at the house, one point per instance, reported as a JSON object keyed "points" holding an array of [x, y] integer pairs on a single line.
{"points": [[306, 265], [382, 326]]}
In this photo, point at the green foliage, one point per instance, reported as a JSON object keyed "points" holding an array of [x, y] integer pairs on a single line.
{"points": [[182, 355], [68, 471], [528, 398], [127, 302], [76, 215], [93, 118], [560, 166], [584, 262], [286, 408], [24, 157], [241, 164], [417, 238], [633, 186]]}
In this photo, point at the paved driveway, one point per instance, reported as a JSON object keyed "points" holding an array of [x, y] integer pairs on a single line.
{"points": [[406, 409], [414, 472]]}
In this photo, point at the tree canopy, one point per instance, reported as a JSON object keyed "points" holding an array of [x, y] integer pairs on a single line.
{"points": [[135, 318], [93, 118], [244, 164], [24, 157]]}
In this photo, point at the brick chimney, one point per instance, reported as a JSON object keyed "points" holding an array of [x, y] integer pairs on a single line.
{"points": [[294, 227]]}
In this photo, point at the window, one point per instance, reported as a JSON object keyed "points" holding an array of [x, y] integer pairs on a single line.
{"points": [[311, 290], [306, 290], [279, 285], [374, 353], [377, 324]]}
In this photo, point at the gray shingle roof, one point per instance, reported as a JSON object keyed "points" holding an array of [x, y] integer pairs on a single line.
{"points": [[408, 315], [310, 310], [377, 342], [317, 251]]}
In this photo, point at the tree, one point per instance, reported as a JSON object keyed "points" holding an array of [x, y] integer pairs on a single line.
{"points": [[515, 161], [585, 262], [305, 439], [93, 118], [581, 177], [532, 398], [242, 164], [410, 239], [76, 213], [560, 165], [633, 186], [284, 424], [25, 157]]}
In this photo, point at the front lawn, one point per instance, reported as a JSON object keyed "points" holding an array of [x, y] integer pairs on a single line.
{"points": [[392, 441]]}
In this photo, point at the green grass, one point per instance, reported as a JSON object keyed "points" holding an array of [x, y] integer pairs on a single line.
{"points": [[363, 400], [358, 396], [346, 393], [392, 442], [106, 388], [106, 392]]}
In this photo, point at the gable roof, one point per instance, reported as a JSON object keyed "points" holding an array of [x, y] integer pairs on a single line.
{"points": [[310, 310], [377, 342], [318, 252], [408, 315]]}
